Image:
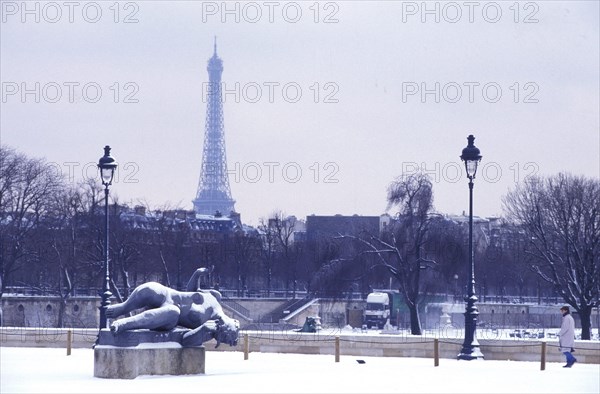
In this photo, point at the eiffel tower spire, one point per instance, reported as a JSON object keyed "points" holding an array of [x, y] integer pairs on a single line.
{"points": [[213, 192]]}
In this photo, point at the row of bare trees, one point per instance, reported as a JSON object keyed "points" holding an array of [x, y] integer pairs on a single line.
{"points": [[51, 239], [560, 216], [41, 223], [550, 239]]}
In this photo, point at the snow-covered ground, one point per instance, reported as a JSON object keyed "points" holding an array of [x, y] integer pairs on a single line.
{"points": [[50, 370]]}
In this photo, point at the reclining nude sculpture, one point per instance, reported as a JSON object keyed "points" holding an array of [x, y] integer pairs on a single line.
{"points": [[165, 308]]}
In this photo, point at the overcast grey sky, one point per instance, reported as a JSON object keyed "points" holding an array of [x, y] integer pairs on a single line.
{"points": [[328, 101]]}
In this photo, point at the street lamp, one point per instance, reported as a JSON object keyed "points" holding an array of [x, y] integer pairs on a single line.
{"points": [[470, 349], [107, 166]]}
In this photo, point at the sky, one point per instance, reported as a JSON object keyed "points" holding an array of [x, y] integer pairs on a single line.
{"points": [[49, 370], [326, 103]]}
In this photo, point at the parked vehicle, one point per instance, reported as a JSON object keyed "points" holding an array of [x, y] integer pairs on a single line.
{"points": [[378, 310]]}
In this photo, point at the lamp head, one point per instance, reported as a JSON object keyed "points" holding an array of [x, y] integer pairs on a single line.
{"points": [[471, 156], [107, 166]]}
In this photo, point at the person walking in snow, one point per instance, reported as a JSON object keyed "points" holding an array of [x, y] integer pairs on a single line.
{"points": [[566, 336]]}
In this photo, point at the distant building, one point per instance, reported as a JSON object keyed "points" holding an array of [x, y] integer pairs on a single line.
{"points": [[329, 226], [484, 229], [384, 221], [291, 225], [201, 227]]}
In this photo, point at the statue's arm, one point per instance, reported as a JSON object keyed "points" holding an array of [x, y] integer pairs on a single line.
{"points": [[198, 336], [193, 282]]}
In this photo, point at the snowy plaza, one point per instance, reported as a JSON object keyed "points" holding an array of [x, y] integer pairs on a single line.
{"points": [[300, 196], [49, 370]]}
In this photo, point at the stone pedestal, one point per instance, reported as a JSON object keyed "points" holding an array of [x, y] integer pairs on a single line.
{"points": [[162, 356]]}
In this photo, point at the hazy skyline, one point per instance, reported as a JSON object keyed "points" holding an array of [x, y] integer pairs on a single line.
{"points": [[328, 101]]}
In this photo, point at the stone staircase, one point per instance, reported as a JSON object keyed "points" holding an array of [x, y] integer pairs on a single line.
{"points": [[284, 310], [238, 311]]}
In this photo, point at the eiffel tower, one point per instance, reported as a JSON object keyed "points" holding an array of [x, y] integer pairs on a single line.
{"points": [[214, 194]]}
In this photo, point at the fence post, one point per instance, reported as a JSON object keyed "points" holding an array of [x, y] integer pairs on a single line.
{"points": [[69, 340], [543, 363], [246, 346], [337, 349], [436, 352]]}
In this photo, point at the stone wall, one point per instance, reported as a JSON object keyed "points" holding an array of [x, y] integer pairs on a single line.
{"points": [[43, 311], [259, 307], [335, 313]]}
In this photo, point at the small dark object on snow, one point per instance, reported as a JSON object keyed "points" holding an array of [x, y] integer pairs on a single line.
{"points": [[361, 361]]}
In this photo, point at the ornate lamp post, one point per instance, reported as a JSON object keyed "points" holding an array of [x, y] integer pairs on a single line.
{"points": [[470, 349], [107, 166]]}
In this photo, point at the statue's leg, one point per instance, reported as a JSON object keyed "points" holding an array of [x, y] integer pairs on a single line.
{"points": [[163, 318], [147, 295]]}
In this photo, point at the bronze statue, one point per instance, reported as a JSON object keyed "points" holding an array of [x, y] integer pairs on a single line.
{"points": [[165, 308]]}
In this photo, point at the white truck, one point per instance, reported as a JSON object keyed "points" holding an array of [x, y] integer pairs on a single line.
{"points": [[378, 310]]}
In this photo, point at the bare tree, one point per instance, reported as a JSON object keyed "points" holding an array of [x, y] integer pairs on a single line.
{"points": [[91, 229], [172, 235], [268, 238], [126, 252], [27, 187], [507, 263], [401, 247], [561, 216], [62, 238], [246, 252], [446, 241], [283, 229]]}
